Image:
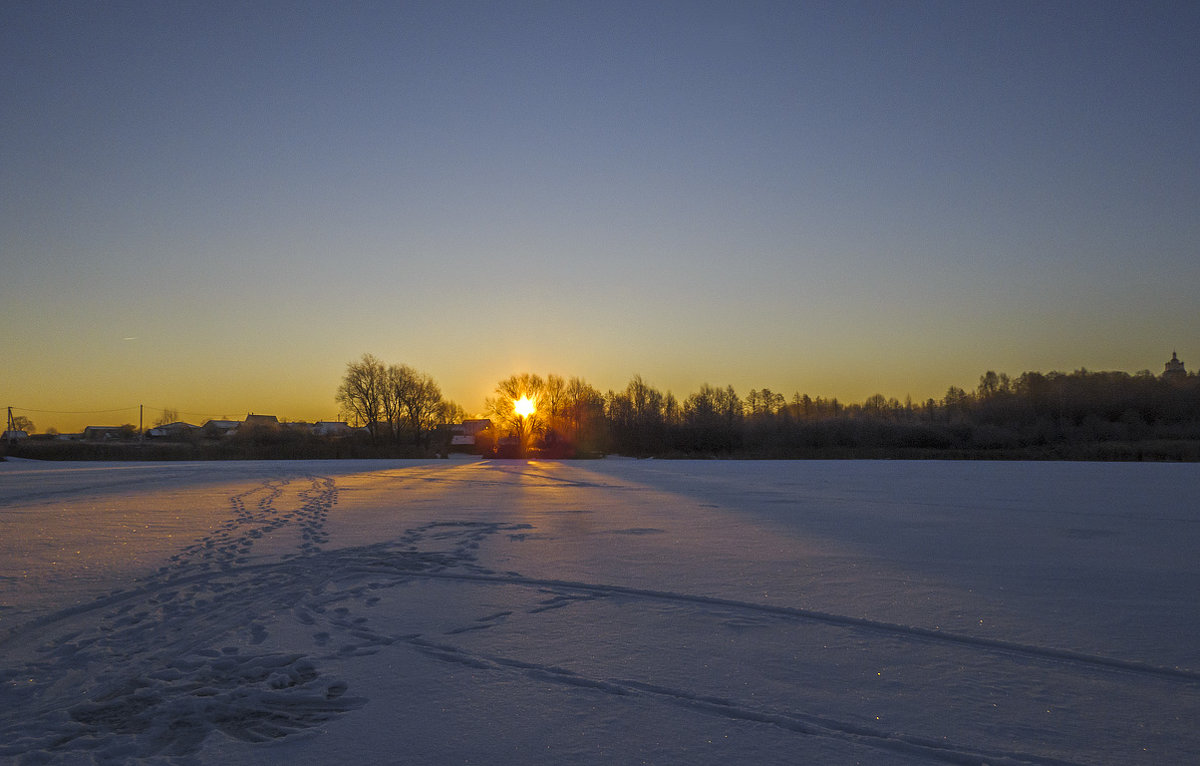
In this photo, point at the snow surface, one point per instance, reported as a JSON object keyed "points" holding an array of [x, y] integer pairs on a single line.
{"points": [[612, 611]]}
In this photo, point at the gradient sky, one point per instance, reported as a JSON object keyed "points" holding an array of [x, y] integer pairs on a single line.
{"points": [[215, 206]]}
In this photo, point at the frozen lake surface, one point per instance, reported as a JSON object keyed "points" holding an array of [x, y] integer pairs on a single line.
{"points": [[613, 611]]}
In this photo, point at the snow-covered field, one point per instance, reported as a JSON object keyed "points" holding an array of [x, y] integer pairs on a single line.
{"points": [[614, 611]]}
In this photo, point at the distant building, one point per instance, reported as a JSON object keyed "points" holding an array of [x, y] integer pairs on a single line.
{"points": [[465, 433], [215, 429], [107, 433], [176, 430], [331, 428], [1174, 367], [261, 421]]}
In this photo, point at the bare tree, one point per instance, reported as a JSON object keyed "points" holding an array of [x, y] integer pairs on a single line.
{"points": [[391, 410], [167, 417], [451, 412], [553, 405], [417, 399], [584, 414], [361, 393], [503, 406]]}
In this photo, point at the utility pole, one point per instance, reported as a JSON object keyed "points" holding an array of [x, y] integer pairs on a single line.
{"points": [[141, 432]]}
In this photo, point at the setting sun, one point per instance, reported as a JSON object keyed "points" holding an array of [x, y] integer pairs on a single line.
{"points": [[523, 406]]}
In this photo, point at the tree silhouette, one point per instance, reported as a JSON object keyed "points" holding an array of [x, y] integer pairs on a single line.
{"points": [[502, 408], [392, 398], [415, 401], [361, 393]]}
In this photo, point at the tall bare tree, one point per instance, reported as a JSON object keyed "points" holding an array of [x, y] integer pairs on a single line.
{"points": [[391, 410], [584, 413], [553, 405], [503, 406], [167, 417], [361, 393], [451, 412], [417, 400]]}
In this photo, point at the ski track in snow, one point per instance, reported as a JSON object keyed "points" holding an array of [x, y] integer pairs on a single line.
{"points": [[155, 670]]}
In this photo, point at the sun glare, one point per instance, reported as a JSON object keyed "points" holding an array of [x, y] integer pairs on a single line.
{"points": [[523, 406]]}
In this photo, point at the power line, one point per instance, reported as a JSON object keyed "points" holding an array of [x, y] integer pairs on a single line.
{"points": [[181, 413], [74, 412]]}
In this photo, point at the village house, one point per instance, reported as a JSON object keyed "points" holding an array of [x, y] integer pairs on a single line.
{"points": [[218, 429], [173, 431], [260, 421], [108, 433]]}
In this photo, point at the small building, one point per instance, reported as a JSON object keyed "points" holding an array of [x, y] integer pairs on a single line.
{"points": [[173, 431], [108, 433], [217, 429], [12, 435], [1174, 368], [465, 434], [331, 428], [261, 421]]}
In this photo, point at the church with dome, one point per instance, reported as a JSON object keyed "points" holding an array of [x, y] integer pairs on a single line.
{"points": [[1174, 367]]}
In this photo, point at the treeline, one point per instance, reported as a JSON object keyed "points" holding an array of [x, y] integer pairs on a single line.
{"points": [[1078, 415], [1081, 415]]}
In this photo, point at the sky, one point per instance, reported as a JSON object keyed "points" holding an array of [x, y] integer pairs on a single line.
{"points": [[214, 207]]}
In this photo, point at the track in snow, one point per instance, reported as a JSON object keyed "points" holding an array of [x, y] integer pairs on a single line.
{"points": [[222, 642]]}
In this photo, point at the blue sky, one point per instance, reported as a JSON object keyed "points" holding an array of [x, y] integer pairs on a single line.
{"points": [[215, 206]]}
